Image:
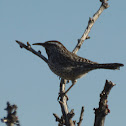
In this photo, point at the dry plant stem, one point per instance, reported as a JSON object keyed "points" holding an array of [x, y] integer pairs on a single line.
{"points": [[103, 110], [29, 48], [57, 117], [63, 104], [81, 117], [90, 24], [60, 120], [85, 36]]}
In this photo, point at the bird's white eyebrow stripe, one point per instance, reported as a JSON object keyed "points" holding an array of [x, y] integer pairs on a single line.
{"points": [[52, 42], [56, 43]]}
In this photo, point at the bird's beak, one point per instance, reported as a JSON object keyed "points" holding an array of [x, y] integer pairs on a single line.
{"points": [[42, 44]]}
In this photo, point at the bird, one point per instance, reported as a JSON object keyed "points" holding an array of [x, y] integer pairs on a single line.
{"points": [[68, 65]]}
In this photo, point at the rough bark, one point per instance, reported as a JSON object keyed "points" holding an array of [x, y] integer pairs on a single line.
{"points": [[103, 110]]}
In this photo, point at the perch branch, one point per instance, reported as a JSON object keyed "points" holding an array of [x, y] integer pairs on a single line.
{"points": [[103, 110], [81, 116], [85, 36], [29, 48], [63, 104]]}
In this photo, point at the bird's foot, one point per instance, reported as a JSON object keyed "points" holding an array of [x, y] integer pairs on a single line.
{"points": [[62, 95]]}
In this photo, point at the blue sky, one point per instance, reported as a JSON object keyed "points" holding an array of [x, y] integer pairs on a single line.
{"points": [[27, 81]]}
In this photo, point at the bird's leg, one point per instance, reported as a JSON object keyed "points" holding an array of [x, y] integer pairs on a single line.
{"points": [[65, 93], [73, 83], [62, 94]]}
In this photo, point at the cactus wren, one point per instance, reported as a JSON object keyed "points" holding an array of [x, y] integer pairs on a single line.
{"points": [[68, 65]]}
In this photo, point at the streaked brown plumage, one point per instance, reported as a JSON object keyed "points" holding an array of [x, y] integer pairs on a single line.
{"points": [[68, 65]]}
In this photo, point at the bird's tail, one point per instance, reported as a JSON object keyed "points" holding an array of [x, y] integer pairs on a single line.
{"points": [[112, 66]]}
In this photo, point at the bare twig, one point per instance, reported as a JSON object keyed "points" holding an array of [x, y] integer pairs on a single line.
{"points": [[81, 116], [57, 117], [103, 110], [11, 118], [91, 22], [60, 120], [29, 48]]}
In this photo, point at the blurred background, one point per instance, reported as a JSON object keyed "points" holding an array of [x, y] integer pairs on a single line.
{"points": [[26, 80]]}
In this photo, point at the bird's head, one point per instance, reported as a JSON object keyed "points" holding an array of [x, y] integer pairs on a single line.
{"points": [[52, 46]]}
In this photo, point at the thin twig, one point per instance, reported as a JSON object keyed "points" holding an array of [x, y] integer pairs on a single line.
{"points": [[103, 110], [60, 120], [57, 117], [81, 116], [29, 48], [90, 24]]}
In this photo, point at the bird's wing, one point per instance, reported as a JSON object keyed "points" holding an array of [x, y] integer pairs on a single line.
{"points": [[74, 60]]}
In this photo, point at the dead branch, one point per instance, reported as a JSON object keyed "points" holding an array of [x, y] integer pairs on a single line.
{"points": [[60, 120], [103, 110], [91, 22], [29, 48], [11, 118], [81, 116]]}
